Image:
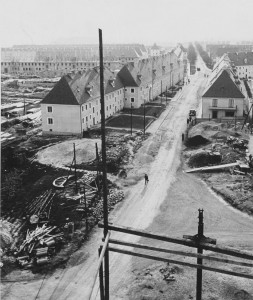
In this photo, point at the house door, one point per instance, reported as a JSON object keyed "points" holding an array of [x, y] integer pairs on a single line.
{"points": [[214, 114], [94, 121]]}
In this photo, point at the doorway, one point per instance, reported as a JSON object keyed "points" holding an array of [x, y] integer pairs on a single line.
{"points": [[214, 114]]}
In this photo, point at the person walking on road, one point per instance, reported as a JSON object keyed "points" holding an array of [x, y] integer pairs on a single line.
{"points": [[146, 179]]}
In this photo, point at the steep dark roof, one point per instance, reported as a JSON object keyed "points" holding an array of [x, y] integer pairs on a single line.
{"points": [[223, 87], [74, 89], [61, 94], [126, 76], [241, 58]]}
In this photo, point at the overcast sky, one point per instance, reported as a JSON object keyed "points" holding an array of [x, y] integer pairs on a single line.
{"points": [[128, 21]]}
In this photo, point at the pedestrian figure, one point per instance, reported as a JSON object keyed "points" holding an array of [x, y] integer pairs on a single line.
{"points": [[146, 179]]}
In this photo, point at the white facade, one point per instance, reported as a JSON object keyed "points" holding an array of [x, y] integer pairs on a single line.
{"points": [[53, 116], [216, 108], [79, 118], [245, 71]]}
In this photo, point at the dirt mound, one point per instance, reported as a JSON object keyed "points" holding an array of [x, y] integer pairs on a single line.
{"points": [[199, 159], [204, 132], [62, 154]]}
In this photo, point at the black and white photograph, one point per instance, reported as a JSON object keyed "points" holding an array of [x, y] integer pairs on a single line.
{"points": [[126, 150]]}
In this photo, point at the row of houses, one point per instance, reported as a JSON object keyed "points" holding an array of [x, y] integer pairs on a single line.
{"points": [[73, 105], [61, 59], [243, 63], [225, 96]]}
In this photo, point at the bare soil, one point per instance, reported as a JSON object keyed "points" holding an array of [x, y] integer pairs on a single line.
{"points": [[167, 205]]}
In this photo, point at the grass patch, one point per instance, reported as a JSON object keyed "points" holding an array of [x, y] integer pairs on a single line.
{"points": [[124, 121]]}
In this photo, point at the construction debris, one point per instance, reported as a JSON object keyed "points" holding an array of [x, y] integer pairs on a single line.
{"points": [[38, 246]]}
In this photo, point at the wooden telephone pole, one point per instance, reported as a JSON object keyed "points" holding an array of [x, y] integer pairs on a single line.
{"points": [[105, 204], [199, 238]]}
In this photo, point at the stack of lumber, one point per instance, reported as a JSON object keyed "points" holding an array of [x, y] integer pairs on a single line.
{"points": [[37, 246]]}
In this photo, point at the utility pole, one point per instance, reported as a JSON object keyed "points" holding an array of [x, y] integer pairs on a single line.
{"points": [[152, 74], [144, 119], [199, 260], [86, 212], [199, 239], [98, 171], [74, 160], [24, 107], [131, 118], [166, 95], [105, 205], [161, 90], [251, 120]]}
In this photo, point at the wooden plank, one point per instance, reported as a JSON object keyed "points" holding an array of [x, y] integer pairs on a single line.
{"points": [[179, 241], [183, 253], [100, 262], [176, 262], [212, 168]]}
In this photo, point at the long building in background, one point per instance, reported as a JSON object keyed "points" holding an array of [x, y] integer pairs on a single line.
{"points": [[57, 60]]}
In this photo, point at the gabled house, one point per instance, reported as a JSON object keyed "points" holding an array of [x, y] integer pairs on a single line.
{"points": [[73, 105], [223, 97]]}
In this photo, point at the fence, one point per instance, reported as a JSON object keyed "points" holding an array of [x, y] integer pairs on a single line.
{"points": [[198, 241]]}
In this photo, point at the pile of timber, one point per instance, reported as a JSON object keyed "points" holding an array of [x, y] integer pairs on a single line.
{"points": [[41, 205], [38, 246], [213, 168]]}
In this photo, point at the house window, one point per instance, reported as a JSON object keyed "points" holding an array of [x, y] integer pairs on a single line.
{"points": [[49, 109], [132, 90], [229, 113], [93, 110], [125, 99], [86, 106], [215, 102], [89, 105], [231, 102], [126, 90], [90, 116], [86, 119], [132, 99], [82, 108], [50, 121]]}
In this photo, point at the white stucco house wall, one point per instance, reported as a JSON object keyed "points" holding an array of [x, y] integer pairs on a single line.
{"points": [[223, 98]]}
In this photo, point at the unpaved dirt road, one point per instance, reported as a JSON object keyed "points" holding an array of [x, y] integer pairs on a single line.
{"points": [[167, 205]]}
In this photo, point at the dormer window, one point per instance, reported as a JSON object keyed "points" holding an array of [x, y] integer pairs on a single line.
{"points": [[112, 82], [154, 71], [88, 89], [139, 76]]}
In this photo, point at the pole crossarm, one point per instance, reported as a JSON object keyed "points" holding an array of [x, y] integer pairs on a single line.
{"points": [[182, 253], [196, 266], [100, 261], [179, 241]]}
